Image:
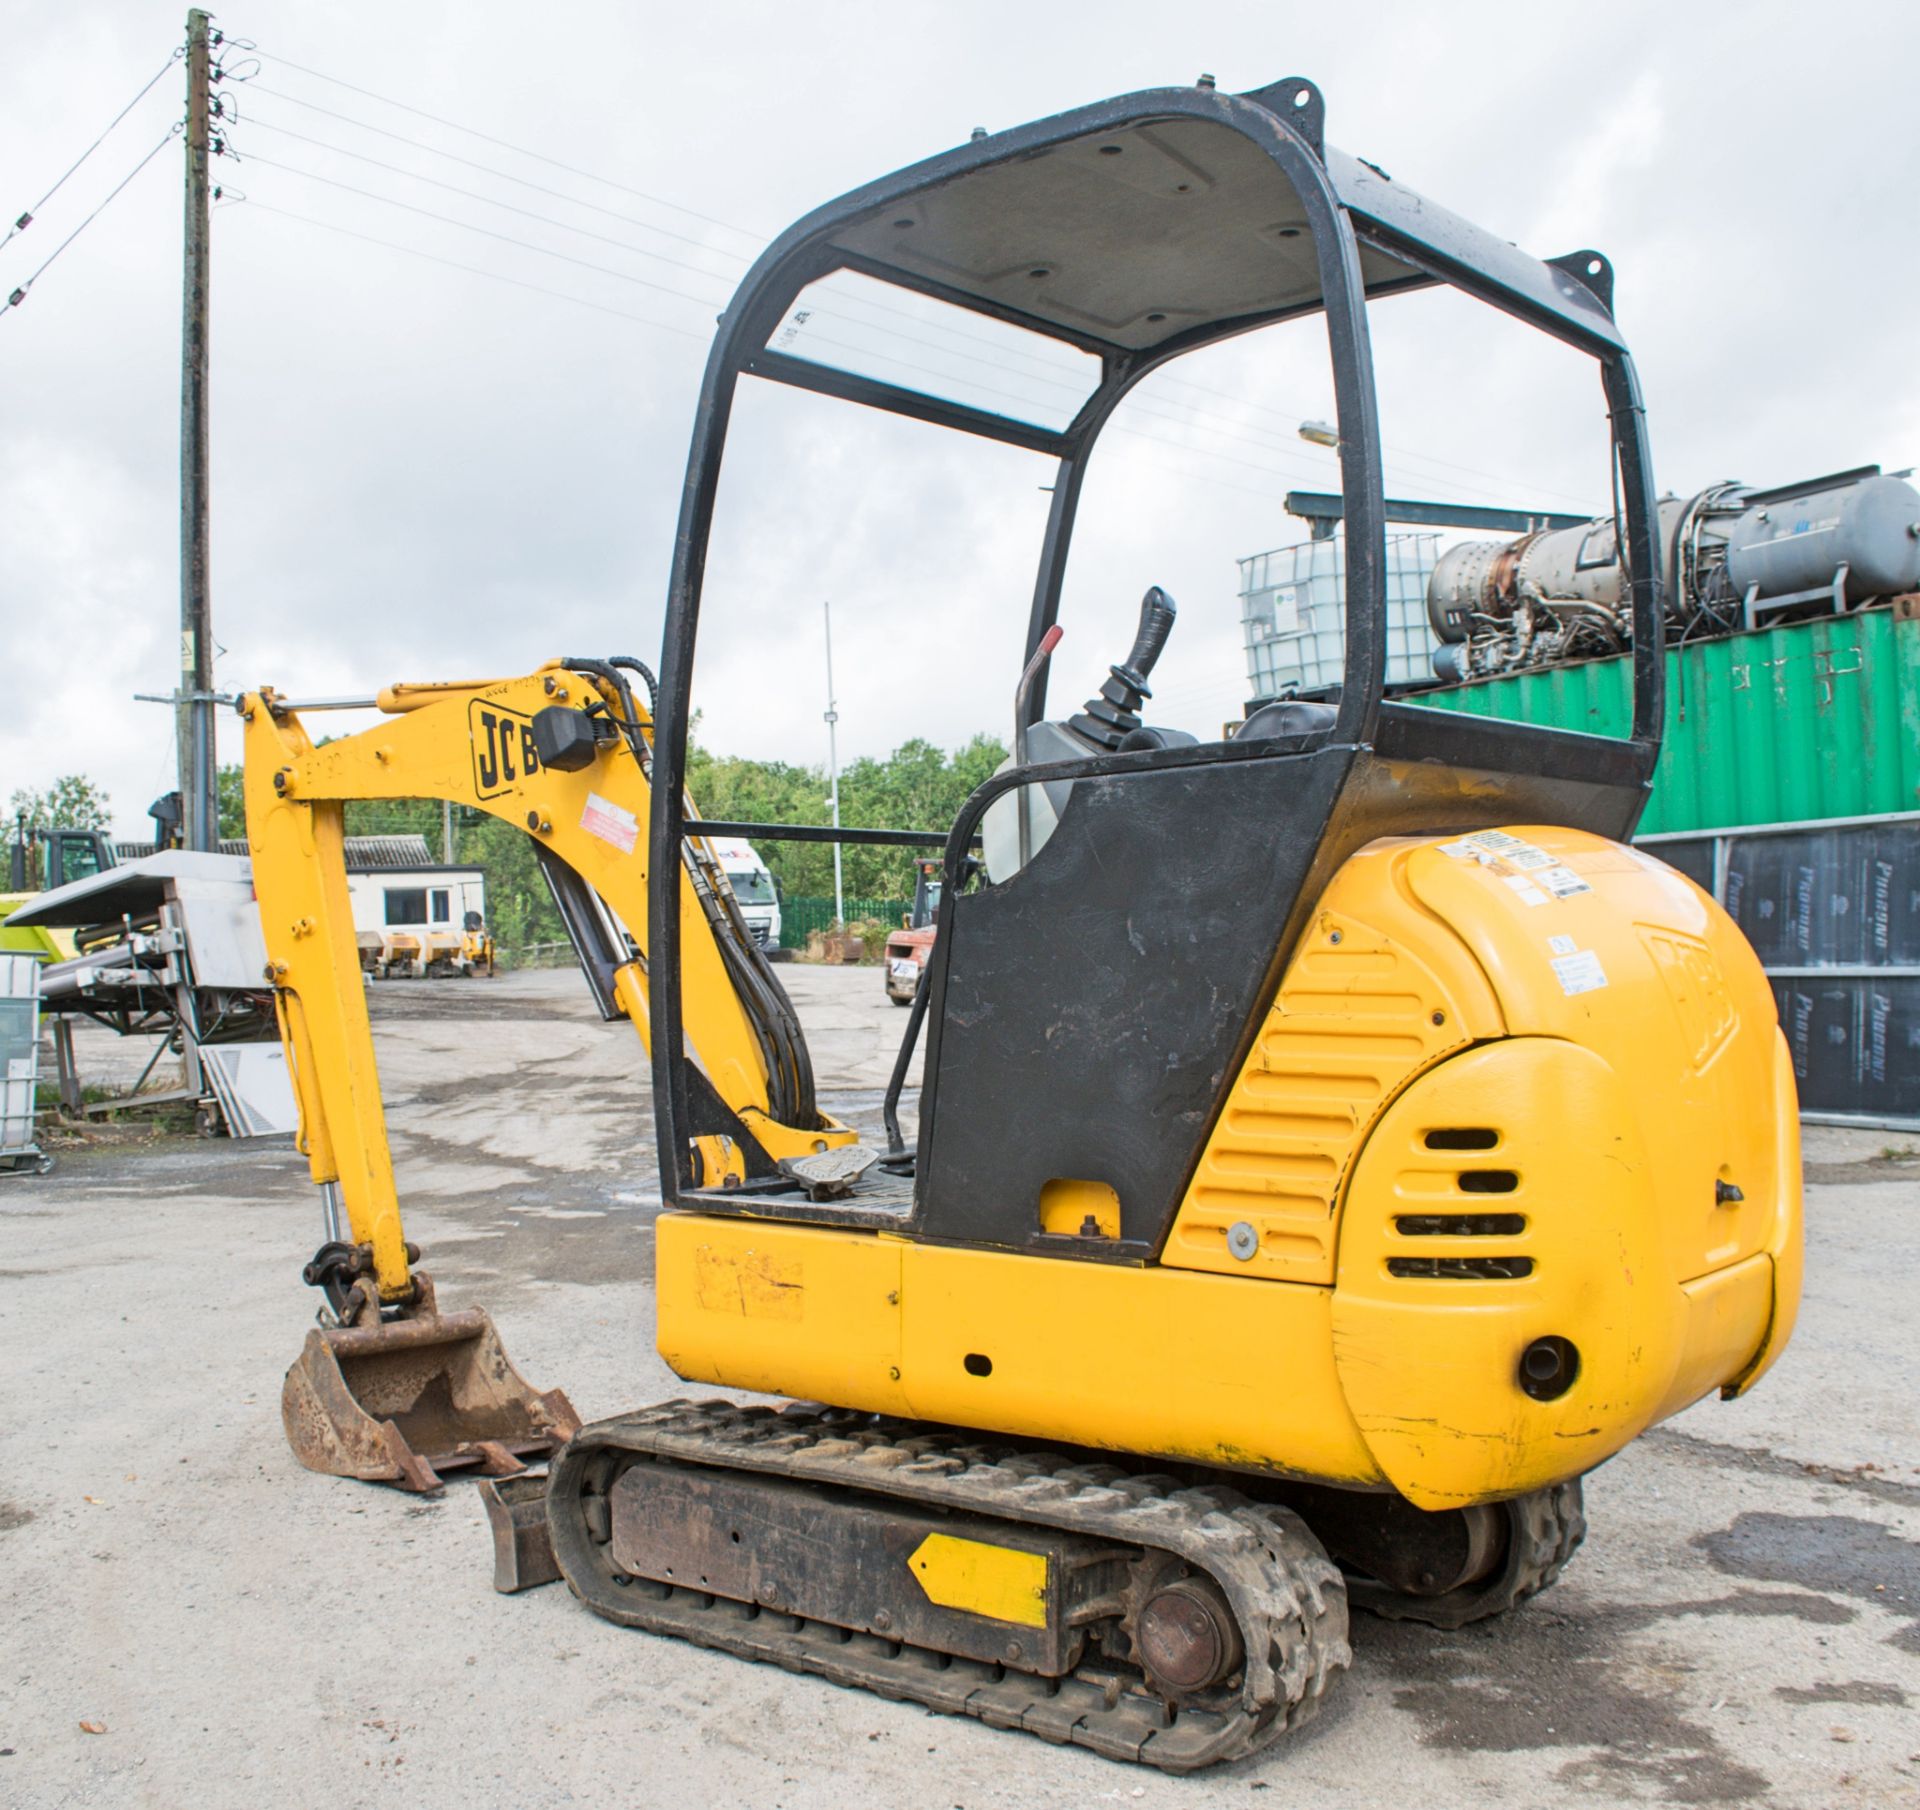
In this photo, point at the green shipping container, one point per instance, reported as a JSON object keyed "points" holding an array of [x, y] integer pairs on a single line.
{"points": [[1816, 719]]}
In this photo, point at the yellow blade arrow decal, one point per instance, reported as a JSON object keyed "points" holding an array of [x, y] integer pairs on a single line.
{"points": [[996, 1581]]}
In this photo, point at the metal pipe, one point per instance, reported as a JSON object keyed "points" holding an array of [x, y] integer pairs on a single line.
{"points": [[813, 832], [332, 1217], [833, 770], [897, 1081]]}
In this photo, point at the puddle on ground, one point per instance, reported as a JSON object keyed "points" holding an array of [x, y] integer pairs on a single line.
{"points": [[1855, 1690], [1542, 1679], [1862, 1559]]}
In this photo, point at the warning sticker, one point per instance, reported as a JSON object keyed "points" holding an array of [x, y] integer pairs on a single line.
{"points": [[1562, 882], [1521, 865], [1562, 945], [610, 822], [1579, 972]]}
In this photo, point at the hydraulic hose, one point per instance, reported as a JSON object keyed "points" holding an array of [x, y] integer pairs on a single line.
{"points": [[776, 1026]]}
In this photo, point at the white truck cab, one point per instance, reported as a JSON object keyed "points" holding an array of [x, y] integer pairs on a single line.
{"points": [[754, 888]]}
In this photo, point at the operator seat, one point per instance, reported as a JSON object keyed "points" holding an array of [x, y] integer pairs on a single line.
{"points": [[1286, 717]]}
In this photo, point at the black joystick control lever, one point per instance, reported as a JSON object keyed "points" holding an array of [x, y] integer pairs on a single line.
{"points": [[1109, 718]]}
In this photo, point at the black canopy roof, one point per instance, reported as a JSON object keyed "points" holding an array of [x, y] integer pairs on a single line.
{"points": [[1171, 217]]}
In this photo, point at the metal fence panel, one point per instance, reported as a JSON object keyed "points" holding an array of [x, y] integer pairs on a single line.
{"points": [[800, 915]]}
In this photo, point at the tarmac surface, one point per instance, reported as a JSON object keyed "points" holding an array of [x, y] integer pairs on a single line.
{"points": [[189, 1617]]}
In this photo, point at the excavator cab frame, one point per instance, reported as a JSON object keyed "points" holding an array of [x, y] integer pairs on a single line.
{"points": [[1239, 837]]}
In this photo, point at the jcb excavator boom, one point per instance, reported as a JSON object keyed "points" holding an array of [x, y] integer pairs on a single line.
{"points": [[397, 1390]]}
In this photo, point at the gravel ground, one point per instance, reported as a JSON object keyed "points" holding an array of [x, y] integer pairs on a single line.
{"points": [[1743, 1626]]}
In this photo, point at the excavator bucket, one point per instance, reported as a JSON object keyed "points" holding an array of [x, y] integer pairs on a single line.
{"points": [[403, 1401]]}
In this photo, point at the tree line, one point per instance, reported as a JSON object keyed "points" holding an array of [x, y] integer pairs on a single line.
{"points": [[916, 787]]}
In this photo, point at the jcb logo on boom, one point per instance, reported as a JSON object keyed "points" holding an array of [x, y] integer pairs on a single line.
{"points": [[503, 753]]}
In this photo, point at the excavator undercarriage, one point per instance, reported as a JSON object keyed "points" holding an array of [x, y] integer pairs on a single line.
{"points": [[1174, 1619]]}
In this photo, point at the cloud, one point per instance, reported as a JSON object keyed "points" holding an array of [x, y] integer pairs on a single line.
{"points": [[424, 472]]}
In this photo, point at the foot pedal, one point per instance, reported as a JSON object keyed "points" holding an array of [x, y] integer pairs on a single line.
{"points": [[830, 1174]]}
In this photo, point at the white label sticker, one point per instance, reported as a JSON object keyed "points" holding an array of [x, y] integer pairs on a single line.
{"points": [[610, 822], [1528, 893], [1528, 858], [903, 968], [1562, 945], [1562, 882], [1460, 851], [1497, 839], [1580, 972]]}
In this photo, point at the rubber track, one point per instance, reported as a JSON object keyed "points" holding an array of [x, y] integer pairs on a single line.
{"points": [[1289, 1597], [1545, 1528]]}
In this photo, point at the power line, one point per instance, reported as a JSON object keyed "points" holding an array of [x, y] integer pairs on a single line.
{"points": [[1167, 381], [1273, 445], [1265, 495], [413, 251], [520, 150], [1080, 391], [26, 219], [637, 250], [818, 339], [620, 244], [427, 213], [488, 169], [453, 188], [20, 294]]}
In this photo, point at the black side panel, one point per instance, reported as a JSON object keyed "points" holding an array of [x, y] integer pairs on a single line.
{"points": [[1428, 774], [1089, 1014], [1089, 1010], [1588, 782]]}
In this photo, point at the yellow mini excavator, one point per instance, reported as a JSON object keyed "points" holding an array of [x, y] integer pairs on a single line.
{"points": [[1334, 1139]]}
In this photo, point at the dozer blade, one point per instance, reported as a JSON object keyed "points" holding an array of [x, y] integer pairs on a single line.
{"points": [[405, 1400]]}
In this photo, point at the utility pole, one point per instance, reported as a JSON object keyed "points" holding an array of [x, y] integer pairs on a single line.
{"points": [[833, 772], [446, 831], [201, 821]]}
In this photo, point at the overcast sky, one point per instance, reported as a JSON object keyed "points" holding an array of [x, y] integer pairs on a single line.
{"points": [[428, 472]]}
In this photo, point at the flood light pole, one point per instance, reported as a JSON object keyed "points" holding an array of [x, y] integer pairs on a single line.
{"points": [[833, 771]]}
